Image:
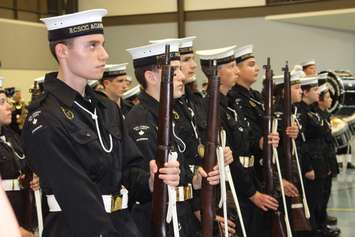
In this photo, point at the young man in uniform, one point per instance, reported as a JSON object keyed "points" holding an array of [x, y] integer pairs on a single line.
{"points": [[314, 163], [250, 105], [142, 122], [77, 143], [114, 82], [309, 68]]}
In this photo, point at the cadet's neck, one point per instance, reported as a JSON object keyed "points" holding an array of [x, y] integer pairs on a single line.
{"points": [[113, 97], [153, 92], [322, 107], [243, 84], [224, 90], [73, 81], [307, 101]]}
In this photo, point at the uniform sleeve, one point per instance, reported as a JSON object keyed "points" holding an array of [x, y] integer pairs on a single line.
{"points": [[53, 156], [136, 175]]}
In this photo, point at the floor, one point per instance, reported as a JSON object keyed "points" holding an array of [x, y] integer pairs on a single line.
{"points": [[342, 202]]}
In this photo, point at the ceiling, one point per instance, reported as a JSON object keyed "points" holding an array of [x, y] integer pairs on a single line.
{"points": [[341, 19]]}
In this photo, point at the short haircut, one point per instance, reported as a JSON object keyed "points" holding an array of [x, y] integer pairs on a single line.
{"points": [[52, 45], [139, 73]]}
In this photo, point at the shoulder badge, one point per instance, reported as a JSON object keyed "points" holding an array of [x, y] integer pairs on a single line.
{"points": [[68, 113]]}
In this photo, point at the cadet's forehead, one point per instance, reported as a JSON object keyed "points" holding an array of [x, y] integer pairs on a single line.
{"points": [[175, 63]]}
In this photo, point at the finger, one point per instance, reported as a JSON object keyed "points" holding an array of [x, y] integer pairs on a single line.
{"points": [[169, 178], [213, 173], [172, 163], [171, 171], [153, 166], [202, 172], [231, 224]]}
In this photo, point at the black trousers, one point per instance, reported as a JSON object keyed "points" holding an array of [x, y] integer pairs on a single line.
{"points": [[315, 197], [257, 222], [326, 197]]}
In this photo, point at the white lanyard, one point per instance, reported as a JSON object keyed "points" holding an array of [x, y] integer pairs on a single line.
{"points": [[21, 157], [95, 118], [192, 123]]}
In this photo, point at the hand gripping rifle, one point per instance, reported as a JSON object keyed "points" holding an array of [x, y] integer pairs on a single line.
{"points": [[210, 158], [278, 226], [299, 207], [160, 193]]}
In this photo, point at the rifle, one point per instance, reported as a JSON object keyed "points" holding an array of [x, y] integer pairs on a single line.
{"points": [[210, 158], [159, 203], [299, 219], [278, 226]]}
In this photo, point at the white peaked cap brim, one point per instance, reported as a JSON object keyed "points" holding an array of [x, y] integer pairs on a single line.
{"points": [[39, 79], [134, 91], [116, 67], [309, 62], [214, 54], [183, 42], [308, 80], [152, 49], [244, 50], [324, 87], [187, 41], [59, 22]]}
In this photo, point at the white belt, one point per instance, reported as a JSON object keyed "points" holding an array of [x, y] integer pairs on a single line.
{"points": [[297, 205], [247, 161], [112, 203], [11, 185]]}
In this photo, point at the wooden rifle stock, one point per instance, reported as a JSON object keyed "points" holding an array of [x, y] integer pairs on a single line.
{"points": [[278, 226], [160, 195], [299, 220], [287, 123], [210, 159]]}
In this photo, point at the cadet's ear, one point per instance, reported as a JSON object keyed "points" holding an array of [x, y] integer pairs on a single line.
{"points": [[151, 77], [61, 50]]}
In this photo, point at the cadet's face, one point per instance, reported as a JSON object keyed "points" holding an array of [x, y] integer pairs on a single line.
{"points": [[5, 110], [248, 71], [87, 57], [327, 101], [296, 93], [310, 70], [17, 96], [313, 94], [228, 74], [188, 67], [178, 79], [117, 86]]}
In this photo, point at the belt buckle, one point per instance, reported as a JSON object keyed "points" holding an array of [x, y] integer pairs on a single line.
{"points": [[116, 203], [187, 192], [252, 159]]}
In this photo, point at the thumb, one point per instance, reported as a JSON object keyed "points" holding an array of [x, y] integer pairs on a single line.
{"points": [[153, 166]]}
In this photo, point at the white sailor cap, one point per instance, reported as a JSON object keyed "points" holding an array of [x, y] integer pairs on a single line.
{"points": [[93, 83], [185, 44], [132, 92], [75, 24], [279, 79], [152, 54], [39, 79], [244, 53], [324, 88], [309, 81], [221, 55], [308, 63], [113, 70]]}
